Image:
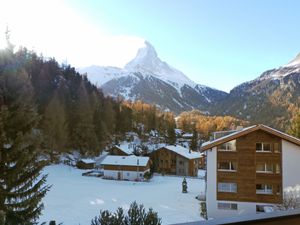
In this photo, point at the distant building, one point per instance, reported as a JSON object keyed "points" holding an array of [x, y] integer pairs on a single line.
{"points": [[125, 167], [122, 149], [86, 164], [177, 160], [249, 170]]}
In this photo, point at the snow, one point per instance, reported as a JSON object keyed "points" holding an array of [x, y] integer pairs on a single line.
{"points": [[294, 62], [185, 152], [229, 135], [87, 161], [125, 147], [148, 64], [131, 160], [76, 199]]}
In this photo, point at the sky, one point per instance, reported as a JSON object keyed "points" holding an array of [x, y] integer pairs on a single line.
{"points": [[216, 43]]}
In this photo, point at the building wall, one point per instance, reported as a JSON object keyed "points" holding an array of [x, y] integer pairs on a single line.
{"points": [[116, 151], [211, 182], [166, 161], [124, 175], [290, 164], [246, 176], [182, 166]]}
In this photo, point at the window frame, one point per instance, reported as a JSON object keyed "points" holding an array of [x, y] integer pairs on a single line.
{"points": [[230, 167], [265, 190], [221, 205], [262, 146], [265, 168], [227, 147], [232, 187]]}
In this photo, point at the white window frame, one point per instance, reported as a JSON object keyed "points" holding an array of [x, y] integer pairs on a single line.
{"points": [[227, 206], [227, 147], [263, 143], [231, 187], [227, 170], [265, 190], [265, 169]]}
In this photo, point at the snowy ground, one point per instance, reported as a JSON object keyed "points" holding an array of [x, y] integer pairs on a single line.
{"points": [[75, 199]]}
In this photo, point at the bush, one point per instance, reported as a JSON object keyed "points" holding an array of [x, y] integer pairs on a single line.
{"points": [[136, 215], [148, 175]]}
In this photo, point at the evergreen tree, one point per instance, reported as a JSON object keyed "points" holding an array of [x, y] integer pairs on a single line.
{"points": [[55, 125], [83, 135], [294, 128], [171, 135], [22, 186], [194, 141], [136, 215]]}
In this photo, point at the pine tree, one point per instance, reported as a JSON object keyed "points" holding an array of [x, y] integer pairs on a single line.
{"points": [[22, 186], [194, 141], [294, 128], [83, 134], [54, 125]]}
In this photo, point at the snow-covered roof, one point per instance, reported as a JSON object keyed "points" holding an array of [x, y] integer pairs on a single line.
{"points": [[185, 152], [88, 161], [126, 147], [247, 130], [131, 160], [187, 135]]}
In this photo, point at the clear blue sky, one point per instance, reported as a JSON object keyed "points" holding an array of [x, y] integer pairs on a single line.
{"points": [[216, 43]]}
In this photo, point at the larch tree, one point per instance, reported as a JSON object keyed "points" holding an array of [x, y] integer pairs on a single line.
{"points": [[294, 128]]}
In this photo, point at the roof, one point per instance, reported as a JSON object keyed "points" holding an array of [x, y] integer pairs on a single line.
{"points": [[185, 152], [87, 161], [131, 160], [125, 147], [210, 144]]}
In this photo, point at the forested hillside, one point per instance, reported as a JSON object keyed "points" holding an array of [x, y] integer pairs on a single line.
{"points": [[73, 113]]}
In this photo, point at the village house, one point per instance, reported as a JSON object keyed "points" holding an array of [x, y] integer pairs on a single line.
{"points": [[249, 170], [124, 149], [177, 160], [86, 164], [125, 167]]}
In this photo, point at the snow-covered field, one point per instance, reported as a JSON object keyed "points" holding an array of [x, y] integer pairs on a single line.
{"points": [[75, 199]]}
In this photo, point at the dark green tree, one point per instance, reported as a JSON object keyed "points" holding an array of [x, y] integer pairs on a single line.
{"points": [[136, 215], [194, 141], [22, 186], [55, 125]]}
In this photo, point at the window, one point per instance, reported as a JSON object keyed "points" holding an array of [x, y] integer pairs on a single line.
{"points": [[277, 168], [227, 206], [264, 208], [263, 147], [141, 175], [180, 162], [227, 187], [264, 168], [128, 174], [228, 146], [264, 189], [227, 166]]}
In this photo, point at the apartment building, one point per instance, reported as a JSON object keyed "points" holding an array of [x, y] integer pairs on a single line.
{"points": [[248, 171]]}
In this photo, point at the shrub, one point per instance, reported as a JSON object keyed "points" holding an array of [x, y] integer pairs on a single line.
{"points": [[136, 215]]}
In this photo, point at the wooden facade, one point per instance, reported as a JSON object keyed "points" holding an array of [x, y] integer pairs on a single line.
{"points": [[115, 150], [245, 175], [126, 168], [169, 162]]}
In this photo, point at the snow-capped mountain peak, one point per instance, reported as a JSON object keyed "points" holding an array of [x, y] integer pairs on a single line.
{"points": [[295, 61], [147, 62]]}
